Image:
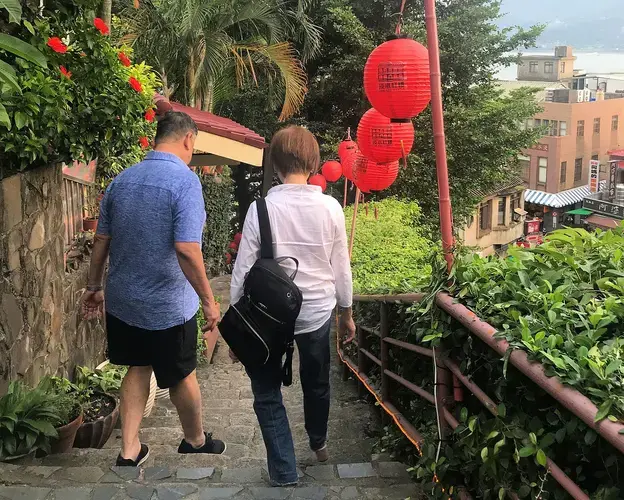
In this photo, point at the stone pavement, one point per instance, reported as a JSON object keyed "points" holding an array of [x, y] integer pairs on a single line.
{"points": [[352, 472]]}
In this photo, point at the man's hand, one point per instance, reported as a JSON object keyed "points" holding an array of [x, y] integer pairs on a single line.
{"points": [[212, 315], [92, 305], [346, 327]]}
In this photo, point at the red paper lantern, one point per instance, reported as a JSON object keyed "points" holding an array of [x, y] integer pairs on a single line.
{"points": [[237, 238], [345, 149], [383, 140], [396, 78], [370, 176], [318, 180], [348, 163], [332, 170]]}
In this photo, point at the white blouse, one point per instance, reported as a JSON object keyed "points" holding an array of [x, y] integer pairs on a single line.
{"points": [[310, 226]]}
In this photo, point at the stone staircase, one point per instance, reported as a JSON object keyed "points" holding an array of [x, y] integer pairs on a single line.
{"points": [[351, 474]]}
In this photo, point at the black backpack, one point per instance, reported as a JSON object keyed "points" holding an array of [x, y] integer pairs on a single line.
{"points": [[261, 325]]}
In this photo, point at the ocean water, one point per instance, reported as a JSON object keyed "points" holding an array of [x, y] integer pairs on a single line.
{"points": [[592, 62]]}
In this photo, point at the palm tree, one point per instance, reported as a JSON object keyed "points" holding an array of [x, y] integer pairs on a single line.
{"points": [[205, 50]]}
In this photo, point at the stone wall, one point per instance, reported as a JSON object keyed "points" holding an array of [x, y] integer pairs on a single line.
{"points": [[41, 331]]}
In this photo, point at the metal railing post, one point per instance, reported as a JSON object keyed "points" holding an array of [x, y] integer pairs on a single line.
{"points": [[384, 356], [362, 360]]}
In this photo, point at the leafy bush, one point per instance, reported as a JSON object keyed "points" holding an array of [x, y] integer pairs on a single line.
{"points": [[390, 252], [561, 302], [28, 419], [219, 199], [85, 103]]}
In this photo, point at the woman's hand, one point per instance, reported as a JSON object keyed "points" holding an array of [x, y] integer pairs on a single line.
{"points": [[346, 326]]}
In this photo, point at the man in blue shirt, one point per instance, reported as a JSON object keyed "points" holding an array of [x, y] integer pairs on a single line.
{"points": [[151, 222]]}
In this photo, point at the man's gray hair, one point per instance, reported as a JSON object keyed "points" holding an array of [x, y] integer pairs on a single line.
{"points": [[173, 126]]}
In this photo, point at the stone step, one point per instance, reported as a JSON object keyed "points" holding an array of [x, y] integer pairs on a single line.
{"points": [[380, 481]]}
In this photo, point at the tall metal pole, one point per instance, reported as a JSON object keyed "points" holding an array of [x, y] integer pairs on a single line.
{"points": [[446, 216], [353, 220], [443, 375]]}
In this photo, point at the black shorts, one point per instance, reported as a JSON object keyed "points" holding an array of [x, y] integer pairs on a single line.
{"points": [[172, 353]]}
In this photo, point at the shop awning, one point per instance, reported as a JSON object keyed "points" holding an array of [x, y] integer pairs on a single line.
{"points": [[579, 211], [561, 199], [603, 222]]}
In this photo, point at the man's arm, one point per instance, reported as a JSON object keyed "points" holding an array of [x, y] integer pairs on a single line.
{"points": [[188, 225], [192, 264], [99, 255]]}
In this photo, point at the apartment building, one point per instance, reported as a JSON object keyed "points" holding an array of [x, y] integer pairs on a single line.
{"points": [[577, 132], [547, 68]]}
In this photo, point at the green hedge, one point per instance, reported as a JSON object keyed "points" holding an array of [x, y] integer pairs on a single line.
{"points": [[219, 199], [390, 252]]}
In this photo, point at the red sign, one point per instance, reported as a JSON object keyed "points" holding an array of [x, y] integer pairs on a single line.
{"points": [[533, 226], [541, 147]]}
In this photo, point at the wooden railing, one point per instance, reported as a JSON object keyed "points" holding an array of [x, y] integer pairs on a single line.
{"points": [[449, 373]]}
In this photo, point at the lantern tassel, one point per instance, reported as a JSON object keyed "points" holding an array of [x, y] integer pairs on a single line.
{"points": [[376, 213], [366, 209], [404, 155], [400, 22]]}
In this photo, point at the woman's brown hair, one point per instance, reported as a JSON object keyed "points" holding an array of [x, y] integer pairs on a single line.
{"points": [[294, 150]]}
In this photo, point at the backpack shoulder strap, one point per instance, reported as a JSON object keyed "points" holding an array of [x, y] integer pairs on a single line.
{"points": [[266, 237]]}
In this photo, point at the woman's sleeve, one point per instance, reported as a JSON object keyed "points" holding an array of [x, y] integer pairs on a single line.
{"points": [[248, 253], [341, 264]]}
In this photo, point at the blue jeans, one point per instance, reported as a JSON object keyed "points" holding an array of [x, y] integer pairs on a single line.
{"points": [[266, 384]]}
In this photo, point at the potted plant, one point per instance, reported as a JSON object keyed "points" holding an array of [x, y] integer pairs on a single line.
{"points": [[101, 411], [38, 420], [92, 210]]}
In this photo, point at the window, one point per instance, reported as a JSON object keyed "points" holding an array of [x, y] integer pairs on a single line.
{"points": [[548, 67], [564, 172], [525, 165], [615, 122], [502, 206], [596, 125], [537, 123], [563, 129], [542, 174], [578, 169], [533, 65], [563, 67], [580, 128], [485, 216], [554, 128], [514, 203]]}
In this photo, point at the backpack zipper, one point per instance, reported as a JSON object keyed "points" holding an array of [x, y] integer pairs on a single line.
{"points": [[267, 314], [255, 333]]}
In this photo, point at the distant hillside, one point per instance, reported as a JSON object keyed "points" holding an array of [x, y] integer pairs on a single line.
{"points": [[582, 24]]}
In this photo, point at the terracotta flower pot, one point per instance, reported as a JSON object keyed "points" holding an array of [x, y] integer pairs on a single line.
{"points": [[66, 436], [89, 224], [95, 434]]}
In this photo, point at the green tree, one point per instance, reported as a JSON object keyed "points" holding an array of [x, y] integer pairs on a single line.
{"points": [[483, 136], [205, 50]]}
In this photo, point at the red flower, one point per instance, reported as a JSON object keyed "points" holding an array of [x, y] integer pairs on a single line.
{"points": [[101, 26], [125, 60], [57, 45], [150, 115], [65, 73], [135, 84], [144, 142]]}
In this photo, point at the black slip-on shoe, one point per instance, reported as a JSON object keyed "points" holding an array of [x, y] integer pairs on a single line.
{"points": [[140, 460], [212, 446]]}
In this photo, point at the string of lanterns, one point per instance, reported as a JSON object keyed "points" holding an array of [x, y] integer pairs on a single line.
{"points": [[397, 84]]}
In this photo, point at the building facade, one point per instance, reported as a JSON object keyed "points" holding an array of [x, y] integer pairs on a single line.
{"points": [[577, 132], [549, 68], [498, 221]]}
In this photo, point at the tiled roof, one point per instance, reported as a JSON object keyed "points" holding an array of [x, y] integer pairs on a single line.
{"points": [[212, 124], [562, 199]]}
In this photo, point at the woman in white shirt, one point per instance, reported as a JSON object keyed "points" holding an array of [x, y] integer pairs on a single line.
{"points": [[309, 226]]}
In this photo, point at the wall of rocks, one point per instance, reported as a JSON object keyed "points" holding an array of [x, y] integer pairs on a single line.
{"points": [[41, 332]]}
